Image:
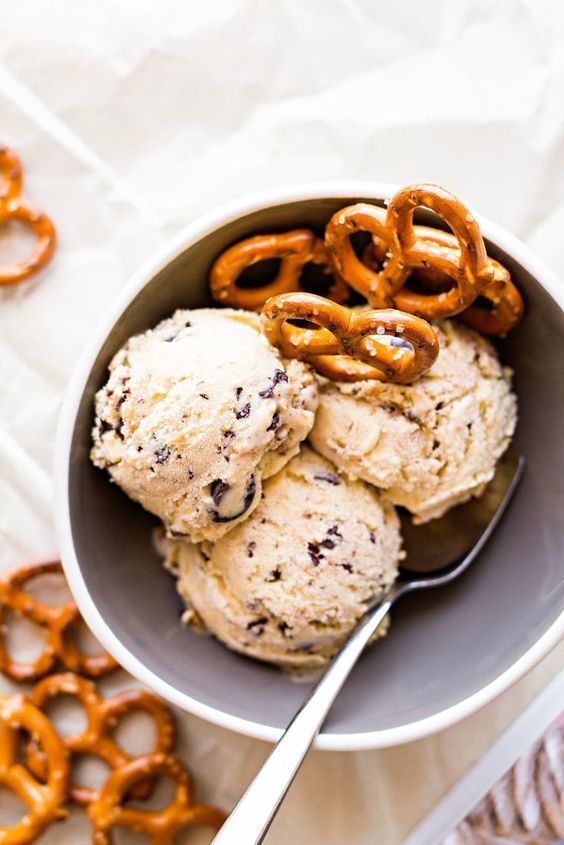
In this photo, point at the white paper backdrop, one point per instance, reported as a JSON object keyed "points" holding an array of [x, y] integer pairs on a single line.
{"points": [[132, 118]]}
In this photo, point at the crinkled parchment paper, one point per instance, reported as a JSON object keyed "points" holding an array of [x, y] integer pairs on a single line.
{"points": [[131, 119]]}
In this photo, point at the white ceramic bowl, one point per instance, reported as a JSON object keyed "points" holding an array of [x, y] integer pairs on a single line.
{"points": [[448, 653]]}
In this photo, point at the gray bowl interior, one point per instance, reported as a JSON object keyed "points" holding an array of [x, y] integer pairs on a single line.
{"points": [[442, 647]]}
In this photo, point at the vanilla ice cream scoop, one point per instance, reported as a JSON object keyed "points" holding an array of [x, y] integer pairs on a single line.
{"points": [[429, 445], [289, 583], [195, 413]]}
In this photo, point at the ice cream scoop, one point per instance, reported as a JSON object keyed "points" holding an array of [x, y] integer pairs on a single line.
{"points": [[195, 413], [431, 444], [290, 582]]}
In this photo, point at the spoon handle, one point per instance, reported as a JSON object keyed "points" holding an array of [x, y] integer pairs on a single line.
{"points": [[252, 815]]}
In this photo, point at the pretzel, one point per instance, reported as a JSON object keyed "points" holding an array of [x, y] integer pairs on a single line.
{"points": [[349, 345], [294, 249], [506, 303], [45, 800], [101, 718], [161, 826], [57, 621], [14, 207], [468, 266]]}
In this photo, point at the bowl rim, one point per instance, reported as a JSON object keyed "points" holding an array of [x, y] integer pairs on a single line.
{"points": [[204, 225]]}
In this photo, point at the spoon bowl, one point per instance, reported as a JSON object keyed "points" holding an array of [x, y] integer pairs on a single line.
{"points": [[439, 548]]}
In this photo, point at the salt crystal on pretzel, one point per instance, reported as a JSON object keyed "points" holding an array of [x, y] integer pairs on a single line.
{"points": [[351, 344], [295, 249], [14, 207], [468, 266]]}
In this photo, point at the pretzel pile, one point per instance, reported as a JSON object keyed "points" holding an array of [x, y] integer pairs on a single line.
{"points": [[14, 207], [101, 717], [505, 302], [41, 778], [424, 272]]}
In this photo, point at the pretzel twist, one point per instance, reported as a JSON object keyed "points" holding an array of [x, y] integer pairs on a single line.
{"points": [[506, 305], [349, 344], [295, 249], [45, 800], [57, 622], [14, 207], [161, 826], [467, 266], [101, 717]]}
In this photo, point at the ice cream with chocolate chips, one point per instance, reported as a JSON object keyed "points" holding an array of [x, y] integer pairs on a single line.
{"points": [[195, 414], [429, 445], [289, 583]]}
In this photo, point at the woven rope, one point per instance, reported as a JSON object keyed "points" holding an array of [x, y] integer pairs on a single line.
{"points": [[526, 805]]}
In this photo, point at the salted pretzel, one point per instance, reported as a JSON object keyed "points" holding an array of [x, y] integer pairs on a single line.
{"points": [[506, 305], [350, 344], [102, 716], [58, 623], [161, 826], [468, 266], [14, 207], [45, 800], [295, 249]]}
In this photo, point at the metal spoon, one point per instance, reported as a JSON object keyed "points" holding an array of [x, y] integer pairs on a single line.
{"points": [[437, 553]]}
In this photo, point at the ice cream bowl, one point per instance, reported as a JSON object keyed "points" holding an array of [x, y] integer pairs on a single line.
{"points": [[448, 653]]}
